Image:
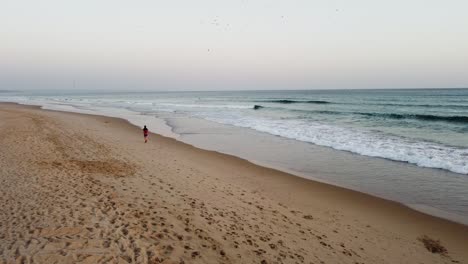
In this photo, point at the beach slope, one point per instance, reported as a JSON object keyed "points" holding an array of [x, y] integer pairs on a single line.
{"points": [[87, 189]]}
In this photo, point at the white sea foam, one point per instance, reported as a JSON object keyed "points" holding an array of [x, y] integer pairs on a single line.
{"points": [[421, 153], [225, 106]]}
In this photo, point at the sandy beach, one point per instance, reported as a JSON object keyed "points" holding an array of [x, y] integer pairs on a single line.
{"points": [[86, 189]]}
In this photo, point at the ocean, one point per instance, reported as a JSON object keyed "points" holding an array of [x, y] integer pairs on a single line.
{"points": [[410, 146]]}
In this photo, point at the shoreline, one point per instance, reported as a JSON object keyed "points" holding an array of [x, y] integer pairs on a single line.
{"points": [[308, 195]]}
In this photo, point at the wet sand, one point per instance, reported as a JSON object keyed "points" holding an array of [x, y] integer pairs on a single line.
{"points": [[86, 189]]}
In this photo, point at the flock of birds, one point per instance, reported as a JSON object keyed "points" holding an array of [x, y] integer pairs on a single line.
{"points": [[215, 22]]}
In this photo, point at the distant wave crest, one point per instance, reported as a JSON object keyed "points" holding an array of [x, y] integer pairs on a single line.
{"points": [[421, 117], [288, 101], [453, 119], [285, 101], [454, 106]]}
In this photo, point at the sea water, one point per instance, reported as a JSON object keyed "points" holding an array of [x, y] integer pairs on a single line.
{"points": [[410, 129]]}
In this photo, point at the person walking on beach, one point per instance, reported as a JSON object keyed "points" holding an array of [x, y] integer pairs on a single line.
{"points": [[145, 133]]}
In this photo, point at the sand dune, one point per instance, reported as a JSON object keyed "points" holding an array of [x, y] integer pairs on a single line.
{"points": [[86, 189]]}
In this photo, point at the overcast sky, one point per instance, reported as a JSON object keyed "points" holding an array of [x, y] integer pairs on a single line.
{"points": [[235, 44]]}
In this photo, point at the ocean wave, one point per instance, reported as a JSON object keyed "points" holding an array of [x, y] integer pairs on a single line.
{"points": [[452, 119], [368, 143], [421, 117], [285, 101], [453, 106], [204, 106], [288, 101]]}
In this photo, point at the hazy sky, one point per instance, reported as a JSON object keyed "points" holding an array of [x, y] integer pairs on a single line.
{"points": [[236, 44]]}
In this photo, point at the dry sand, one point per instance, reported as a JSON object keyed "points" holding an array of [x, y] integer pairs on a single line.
{"points": [[86, 189]]}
